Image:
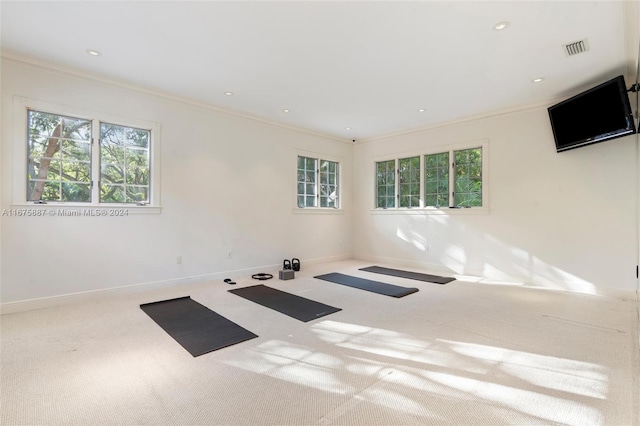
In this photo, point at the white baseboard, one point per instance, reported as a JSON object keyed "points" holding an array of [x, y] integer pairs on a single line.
{"points": [[46, 302], [476, 276], [638, 312]]}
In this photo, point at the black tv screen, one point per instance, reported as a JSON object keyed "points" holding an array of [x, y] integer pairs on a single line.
{"points": [[597, 115]]}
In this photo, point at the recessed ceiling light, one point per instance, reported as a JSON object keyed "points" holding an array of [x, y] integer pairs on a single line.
{"points": [[501, 25], [421, 110], [93, 52], [537, 80], [347, 128], [228, 93], [285, 110]]}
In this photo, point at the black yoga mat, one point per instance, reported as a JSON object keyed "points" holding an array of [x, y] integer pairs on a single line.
{"points": [[286, 303], [197, 328], [364, 284], [408, 274]]}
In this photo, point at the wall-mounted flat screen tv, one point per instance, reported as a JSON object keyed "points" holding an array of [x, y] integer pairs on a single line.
{"points": [[597, 115]]}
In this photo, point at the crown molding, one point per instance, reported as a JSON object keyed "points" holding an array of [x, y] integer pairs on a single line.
{"points": [[468, 119], [19, 58]]}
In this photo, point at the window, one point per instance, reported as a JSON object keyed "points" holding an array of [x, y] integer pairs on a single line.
{"points": [[318, 183], [124, 164], [66, 157], [386, 184], [328, 184], [60, 167], [436, 179], [307, 178], [59, 158], [409, 182], [468, 177], [447, 179]]}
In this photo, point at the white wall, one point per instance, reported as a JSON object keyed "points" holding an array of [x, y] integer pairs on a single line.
{"points": [[227, 183], [564, 220], [556, 220]]}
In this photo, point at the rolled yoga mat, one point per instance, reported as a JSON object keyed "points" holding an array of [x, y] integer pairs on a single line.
{"points": [[197, 328], [286, 303], [408, 274], [368, 285]]}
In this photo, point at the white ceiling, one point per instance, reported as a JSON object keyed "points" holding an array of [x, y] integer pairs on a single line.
{"points": [[366, 65]]}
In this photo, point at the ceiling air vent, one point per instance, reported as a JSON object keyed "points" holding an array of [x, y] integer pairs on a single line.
{"points": [[572, 49]]}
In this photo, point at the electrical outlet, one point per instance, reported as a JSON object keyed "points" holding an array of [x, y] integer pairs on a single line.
{"points": [[229, 254], [179, 260]]}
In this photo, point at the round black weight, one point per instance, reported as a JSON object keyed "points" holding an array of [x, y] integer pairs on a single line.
{"points": [[261, 276], [295, 264], [286, 264]]}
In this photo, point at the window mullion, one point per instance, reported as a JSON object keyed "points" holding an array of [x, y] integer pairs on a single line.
{"points": [[421, 178], [318, 179], [452, 179], [396, 184], [95, 162]]}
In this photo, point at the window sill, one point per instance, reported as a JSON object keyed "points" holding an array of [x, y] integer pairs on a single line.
{"points": [[435, 211], [317, 210], [76, 209]]}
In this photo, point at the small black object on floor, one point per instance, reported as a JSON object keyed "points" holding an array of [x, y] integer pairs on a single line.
{"points": [[197, 328], [295, 264], [368, 285], [262, 276], [289, 304], [408, 274], [229, 281]]}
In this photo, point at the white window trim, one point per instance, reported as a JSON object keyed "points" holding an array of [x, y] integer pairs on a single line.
{"points": [[19, 155], [422, 210], [316, 210]]}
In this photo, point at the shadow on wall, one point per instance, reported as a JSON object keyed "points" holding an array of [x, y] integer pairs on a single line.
{"points": [[453, 244]]}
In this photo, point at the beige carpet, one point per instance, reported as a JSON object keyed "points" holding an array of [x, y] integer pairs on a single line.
{"points": [[462, 353]]}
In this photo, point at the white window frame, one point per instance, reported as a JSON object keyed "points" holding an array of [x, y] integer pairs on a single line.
{"points": [[20, 153], [336, 184], [129, 150], [317, 210], [395, 191], [422, 209], [399, 194], [314, 195]]}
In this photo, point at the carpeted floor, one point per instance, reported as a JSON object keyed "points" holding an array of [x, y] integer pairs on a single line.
{"points": [[463, 353]]}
